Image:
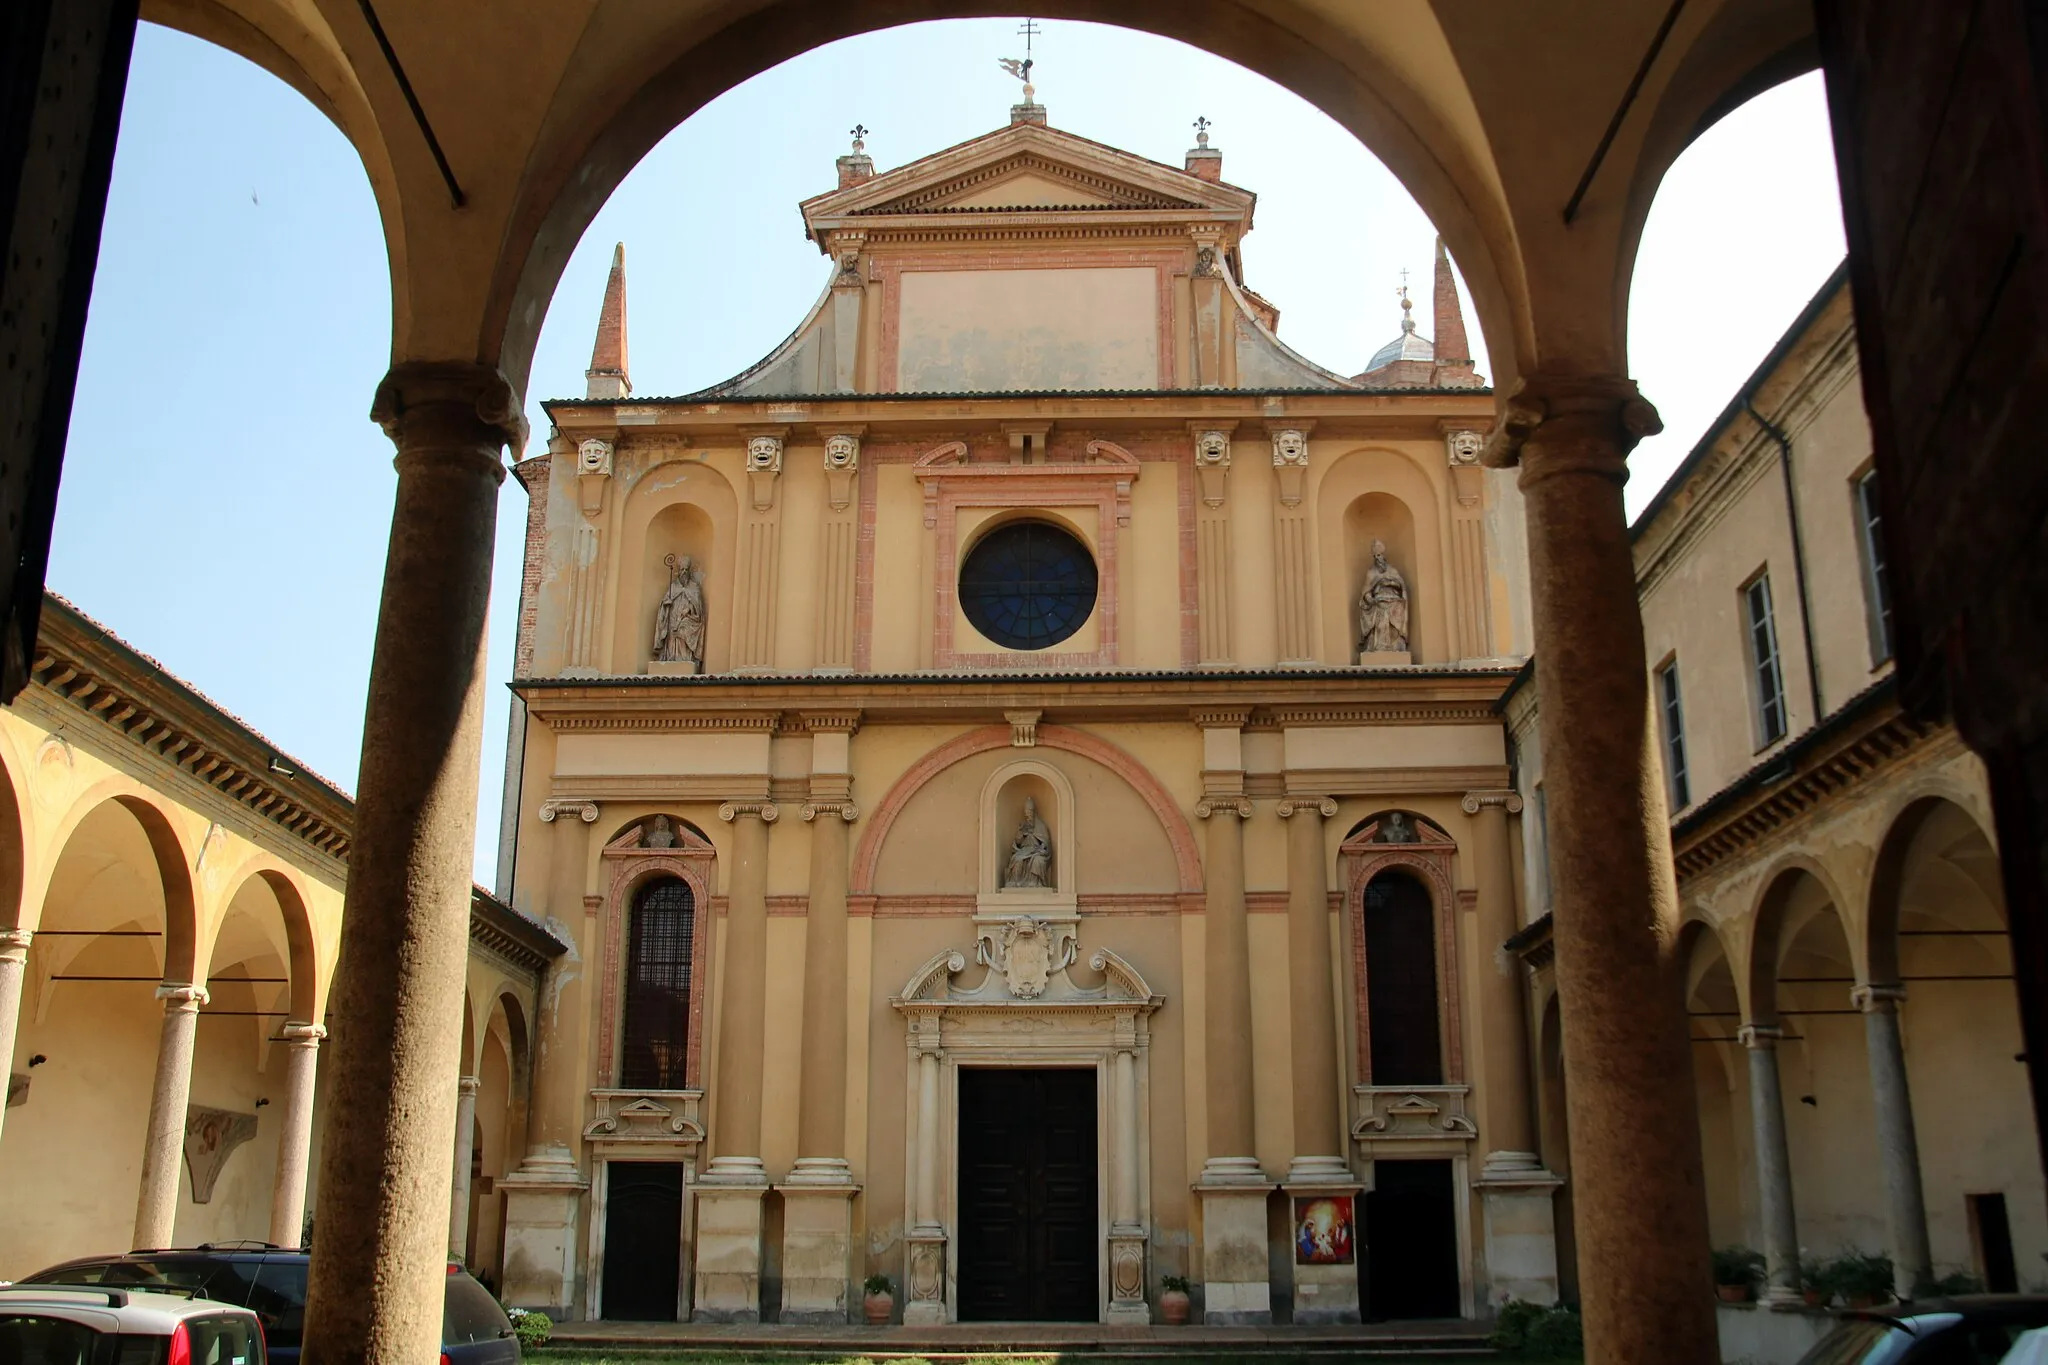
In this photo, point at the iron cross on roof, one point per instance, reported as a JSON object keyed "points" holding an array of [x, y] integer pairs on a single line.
{"points": [[1022, 70]]}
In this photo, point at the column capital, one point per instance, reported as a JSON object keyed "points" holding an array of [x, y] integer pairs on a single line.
{"points": [[449, 400], [1585, 424], [1509, 801], [765, 811], [1759, 1037], [14, 944], [181, 997], [580, 807], [1878, 999], [1292, 805], [1239, 806], [845, 810], [306, 1036], [466, 1085]]}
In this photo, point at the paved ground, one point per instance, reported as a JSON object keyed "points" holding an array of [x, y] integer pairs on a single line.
{"points": [[1392, 1338]]}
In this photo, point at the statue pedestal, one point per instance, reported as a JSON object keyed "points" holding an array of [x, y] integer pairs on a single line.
{"points": [[729, 1199], [1324, 1293], [1519, 1198], [817, 1242], [1237, 1284], [1385, 658], [679, 668]]}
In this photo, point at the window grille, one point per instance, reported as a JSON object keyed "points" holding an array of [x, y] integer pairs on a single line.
{"points": [[1400, 982], [1028, 585], [659, 959]]}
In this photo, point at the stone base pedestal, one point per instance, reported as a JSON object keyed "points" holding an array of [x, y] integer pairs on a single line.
{"points": [[1327, 1292], [1385, 658], [678, 668], [1517, 1194], [924, 1278], [543, 1223], [1127, 1305], [1237, 1290], [817, 1242], [729, 1240]]}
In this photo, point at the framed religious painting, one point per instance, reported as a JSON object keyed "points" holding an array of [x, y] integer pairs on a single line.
{"points": [[1324, 1233]]}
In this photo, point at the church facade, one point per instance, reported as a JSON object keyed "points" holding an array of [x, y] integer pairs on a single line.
{"points": [[1020, 771]]}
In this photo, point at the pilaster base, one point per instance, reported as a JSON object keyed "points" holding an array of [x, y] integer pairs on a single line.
{"points": [[1323, 1206], [817, 1241], [1236, 1288], [729, 1240], [1517, 1193], [1127, 1276], [924, 1288], [543, 1205]]}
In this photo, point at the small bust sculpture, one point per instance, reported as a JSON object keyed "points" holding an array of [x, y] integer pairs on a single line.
{"points": [[658, 833], [1030, 861], [679, 621], [1383, 607], [1395, 829]]}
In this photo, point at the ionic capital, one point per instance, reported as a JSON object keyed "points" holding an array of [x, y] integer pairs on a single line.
{"points": [[466, 1086], [1878, 999], [582, 809], [1570, 424], [845, 810], [1223, 805], [765, 811], [430, 403], [1759, 1037], [181, 997], [14, 944], [305, 1036], [1509, 801], [1307, 805]]}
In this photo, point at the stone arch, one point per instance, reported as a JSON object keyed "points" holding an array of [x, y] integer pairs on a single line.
{"points": [[1714, 1014], [1771, 928], [1173, 823], [1379, 492], [1905, 833], [168, 855], [15, 838], [675, 506], [303, 962]]}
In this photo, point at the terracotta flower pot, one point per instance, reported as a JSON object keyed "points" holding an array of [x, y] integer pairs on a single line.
{"points": [[1732, 1293], [879, 1308], [1173, 1307]]}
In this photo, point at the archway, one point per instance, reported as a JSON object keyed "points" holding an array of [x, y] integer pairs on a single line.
{"points": [[1720, 1076]]}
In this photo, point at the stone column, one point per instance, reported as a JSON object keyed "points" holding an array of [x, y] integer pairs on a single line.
{"points": [[729, 1194], [1897, 1141], [544, 1196], [295, 1133], [924, 1300], [1642, 1220], [465, 1151], [156, 1204], [1773, 1164], [1232, 1187], [13, 967], [1322, 1293], [1126, 1228], [817, 1199], [397, 995]]}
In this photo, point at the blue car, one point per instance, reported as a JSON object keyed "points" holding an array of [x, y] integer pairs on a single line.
{"points": [[1970, 1329]]}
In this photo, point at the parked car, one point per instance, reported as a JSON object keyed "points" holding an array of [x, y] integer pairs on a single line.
{"points": [[43, 1324], [271, 1282], [1973, 1329]]}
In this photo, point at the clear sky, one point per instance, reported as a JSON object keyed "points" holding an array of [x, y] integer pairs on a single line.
{"points": [[226, 499]]}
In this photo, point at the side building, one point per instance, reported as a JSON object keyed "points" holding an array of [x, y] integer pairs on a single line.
{"points": [[171, 893], [1020, 768], [1847, 974]]}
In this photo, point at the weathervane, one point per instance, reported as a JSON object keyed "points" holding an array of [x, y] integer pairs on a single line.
{"points": [[1022, 70], [859, 131], [1202, 126]]}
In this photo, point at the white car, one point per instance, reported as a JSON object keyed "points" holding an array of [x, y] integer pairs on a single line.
{"points": [[47, 1324]]}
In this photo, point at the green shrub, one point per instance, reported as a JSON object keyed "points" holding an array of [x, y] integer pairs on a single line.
{"points": [[1861, 1275], [1511, 1324], [533, 1329], [1947, 1286], [1738, 1265], [1529, 1331], [1178, 1284], [878, 1284]]}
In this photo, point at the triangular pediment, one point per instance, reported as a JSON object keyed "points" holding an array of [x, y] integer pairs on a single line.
{"points": [[1030, 180]]}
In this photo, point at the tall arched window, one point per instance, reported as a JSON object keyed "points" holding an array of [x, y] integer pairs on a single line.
{"points": [[662, 943], [1400, 982]]}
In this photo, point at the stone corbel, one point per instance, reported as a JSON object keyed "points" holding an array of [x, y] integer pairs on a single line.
{"points": [[1026, 437], [593, 474], [1023, 728], [1462, 447], [583, 809], [842, 464], [764, 463], [211, 1136], [1212, 458], [1290, 459]]}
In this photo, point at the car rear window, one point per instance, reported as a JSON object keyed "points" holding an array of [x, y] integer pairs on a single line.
{"points": [[46, 1341], [224, 1341], [470, 1314], [279, 1298]]}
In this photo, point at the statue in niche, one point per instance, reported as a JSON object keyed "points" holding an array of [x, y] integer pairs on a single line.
{"points": [[1395, 829], [1383, 607], [1030, 863], [679, 623], [659, 834]]}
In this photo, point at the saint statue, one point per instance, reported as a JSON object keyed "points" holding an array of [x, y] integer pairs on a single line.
{"points": [[679, 624], [1030, 852], [1383, 607]]}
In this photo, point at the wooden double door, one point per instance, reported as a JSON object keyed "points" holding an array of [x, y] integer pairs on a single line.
{"points": [[1029, 1239]]}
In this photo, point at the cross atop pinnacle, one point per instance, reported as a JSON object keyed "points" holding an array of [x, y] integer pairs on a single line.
{"points": [[1202, 126], [860, 131]]}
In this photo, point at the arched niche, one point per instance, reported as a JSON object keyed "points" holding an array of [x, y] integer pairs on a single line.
{"points": [[680, 507], [646, 853], [1003, 798], [1384, 494]]}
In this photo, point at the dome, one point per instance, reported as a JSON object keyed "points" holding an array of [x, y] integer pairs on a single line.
{"points": [[1410, 345]]}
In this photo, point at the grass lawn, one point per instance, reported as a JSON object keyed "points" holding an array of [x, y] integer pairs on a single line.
{"points": [[669, 1355]]}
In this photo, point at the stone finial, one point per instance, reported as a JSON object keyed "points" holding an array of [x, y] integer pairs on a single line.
{"points": [[857, 166], [1203, 161], [607, 376]]}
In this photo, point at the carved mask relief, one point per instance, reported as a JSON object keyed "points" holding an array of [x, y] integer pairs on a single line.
{"points": [[1290, 447], [1464, 446], [764, 454], [594, 457], [1212, 448], [842, 452]]}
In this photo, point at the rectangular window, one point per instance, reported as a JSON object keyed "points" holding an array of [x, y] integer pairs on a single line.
{"points": [[1674, 735], [1763, 657], [1877, 598]]}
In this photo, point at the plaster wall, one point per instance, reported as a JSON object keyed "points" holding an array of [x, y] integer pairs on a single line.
{"points": [[975, 331]]}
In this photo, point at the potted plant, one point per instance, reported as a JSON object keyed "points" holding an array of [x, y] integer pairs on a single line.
{"points": [[1862, 1279], [1736, 1271], [879, 1300], [1816, 1281], [1173, 1299]]}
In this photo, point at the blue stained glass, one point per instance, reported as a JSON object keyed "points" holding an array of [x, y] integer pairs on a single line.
{"points": [[1028, 585]]}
